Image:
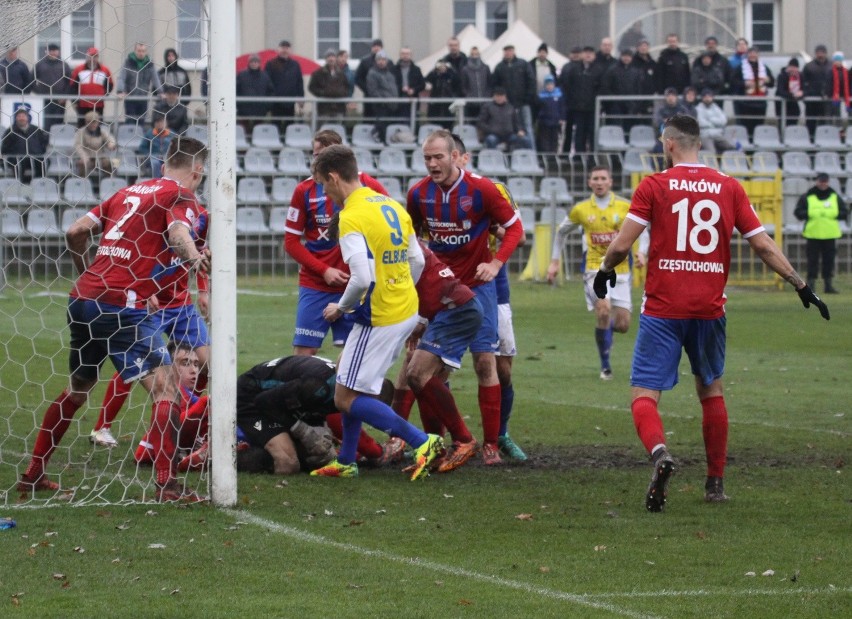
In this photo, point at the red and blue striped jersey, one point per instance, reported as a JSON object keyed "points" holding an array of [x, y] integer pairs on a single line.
{"points": [[174, 278], [457, 221]]}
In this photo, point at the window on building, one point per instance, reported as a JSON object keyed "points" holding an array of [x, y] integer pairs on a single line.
{"points": [[490, 17], [74, 33], [191, 29], [761, 24], [346, 24]]}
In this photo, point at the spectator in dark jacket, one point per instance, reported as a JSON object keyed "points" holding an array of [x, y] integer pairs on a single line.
{"points": [[603, 57], [172, 74], [815, 77], [499, 123], [551, 116], [52, 78], [137, 81], [757, 78], [364, 66], [711, 46], [623, 79], [706, 75], [175, 113], [15, 76], [689, 99], [253, 82], [581, 83], [442, 83], [329, 81], [671, 106], [542, 67], [517, 77], [343, 65], [409, 78], [381, 86], [475, 81], [672, 66], [24, 145], [789, 88], [286, 77], [455, 57], [647, 68]]}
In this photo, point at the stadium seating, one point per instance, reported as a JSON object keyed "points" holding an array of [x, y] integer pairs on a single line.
{"points": [[362, 137], [765, 162], [829, 162], [491, 162], [522, 189], [11, 223], [338, 128], [827, 137], [45, 191], [738, 135], [282, 189], [392, 162], [241, 142], [199, 132], [469, 135], [69, 216], [298, 136], [62, 137], [766, 137], [708, 158], [59, 165], [525, 161], [555, 185], [392, 129], [266, 135], [41, 222], [78, 191], [130, 135], [418, 163], [251, 220], [291, 161], [527, 214], [394, 188], [109, 186], [278, 219], [635, 161], [642, 137], [259, 161], [797, 137], [796, 163], [251, 190], [734, 162], [550, 214], [792, 189], [128, 164], [426, 129], [611, 137], [365, 160]]}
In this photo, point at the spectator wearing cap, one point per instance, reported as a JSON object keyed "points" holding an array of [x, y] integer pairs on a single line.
{"points": [[381, 86], [711, 47], [455, 57], [329, 82], [822, 210], [172, 74], [673, 66], [622, 79], [551, 116], [286, 77], [706, 75], [838, 87], [475, 81], [137, 81], [789, 88], [52, 79], [24, 145], [253, 82], [816, 75], [542, 67], [500, 125], [15, 75], [93, 82], [442, 83], [647, 68], [173, 110], [581, 85], [364, 66], [757, 78], [518, 78], [671, 107], [712, 121], [94, 146]]}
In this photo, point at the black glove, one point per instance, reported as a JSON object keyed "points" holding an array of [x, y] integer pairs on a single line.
{"points": [[601, 279], [808, 296]]}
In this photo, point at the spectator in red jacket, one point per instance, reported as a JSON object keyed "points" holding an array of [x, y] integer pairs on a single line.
{"points": [[93, 82]]}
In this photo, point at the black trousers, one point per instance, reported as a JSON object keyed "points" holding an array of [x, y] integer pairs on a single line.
{"points": [[824, 249]]}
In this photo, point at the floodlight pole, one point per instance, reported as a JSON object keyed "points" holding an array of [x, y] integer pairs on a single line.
{"points": [[223, 278]]}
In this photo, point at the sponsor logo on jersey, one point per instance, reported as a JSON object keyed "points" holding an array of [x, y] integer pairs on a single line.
{"points": [[450, 239], [701, 186], [115, 252], [394, 256]]}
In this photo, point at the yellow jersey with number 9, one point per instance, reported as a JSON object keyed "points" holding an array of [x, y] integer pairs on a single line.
{"points": [[386, 227]]}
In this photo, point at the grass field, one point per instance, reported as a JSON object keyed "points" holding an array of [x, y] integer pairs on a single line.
{"points": [[564, 536]]}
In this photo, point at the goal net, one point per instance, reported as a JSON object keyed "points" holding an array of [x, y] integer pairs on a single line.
{"points": [[43, 194]]}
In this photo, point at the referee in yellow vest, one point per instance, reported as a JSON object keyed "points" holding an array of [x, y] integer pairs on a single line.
{"points": [[822, 209]]}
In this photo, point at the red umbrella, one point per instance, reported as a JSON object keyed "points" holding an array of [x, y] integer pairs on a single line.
{"points": [[307, 65]]}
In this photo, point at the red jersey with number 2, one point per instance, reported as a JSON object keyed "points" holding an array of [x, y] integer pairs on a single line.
{"points": [[134, 246], [692, 211]]}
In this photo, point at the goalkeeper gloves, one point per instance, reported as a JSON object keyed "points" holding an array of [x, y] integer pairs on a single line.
{"points": [[601, 280], [808, 296]]}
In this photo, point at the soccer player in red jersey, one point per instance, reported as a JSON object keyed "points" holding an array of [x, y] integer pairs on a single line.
{"points": [[693, 211], [108, 307], [456, 209], [323, 274]]}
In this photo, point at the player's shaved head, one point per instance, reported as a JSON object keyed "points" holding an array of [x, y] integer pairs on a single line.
{"points": [[459, 143], [684, 130], [445, 136], [338, 159]]}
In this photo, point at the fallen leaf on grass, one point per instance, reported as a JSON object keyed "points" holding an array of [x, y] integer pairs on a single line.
{"points": [[701, 535], [66, 584], [464, 602], [116, 560], [750, 574], [448, 496], [381, 511], [174, 591], [123, 526], [79, 549], [355, 523], [150, 512], [768, 573], [354, 586], [156, 546], [600, 548], [282, 484], [524, 517], [544, 569], [50, 533], [612, 514], [439, 583], [16, 598], [328, 512], [58, 576]]}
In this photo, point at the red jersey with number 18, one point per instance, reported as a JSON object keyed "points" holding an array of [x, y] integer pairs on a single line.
{"points": [[693, 211], [134, 245]]}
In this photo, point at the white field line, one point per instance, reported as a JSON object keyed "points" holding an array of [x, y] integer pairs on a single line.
{"points": [[830, 590], [669, 415], [441, 568]]}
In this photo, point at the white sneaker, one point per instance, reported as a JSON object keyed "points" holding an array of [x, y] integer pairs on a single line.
{"points": [[606, 374], [103, 438]]}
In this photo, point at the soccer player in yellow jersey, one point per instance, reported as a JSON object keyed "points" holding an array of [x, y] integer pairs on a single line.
{"points": [[601, 217], [378, 244]]}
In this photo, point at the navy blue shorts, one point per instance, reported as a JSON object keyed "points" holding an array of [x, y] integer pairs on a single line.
{"points": [[311, 327], [129, 337], [659, 342], [451, 332], [184, 325], [486, 339]]}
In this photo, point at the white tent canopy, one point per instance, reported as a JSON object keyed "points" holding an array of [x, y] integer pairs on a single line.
{"points": [[526, 44], [468, 37]]}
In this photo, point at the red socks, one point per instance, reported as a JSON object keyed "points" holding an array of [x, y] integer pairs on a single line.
{"points": [[56, 420], [649, 426], [403, 400], [489, 408], [715, 427], [438, 407], [165, 418], [114, 398]]}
